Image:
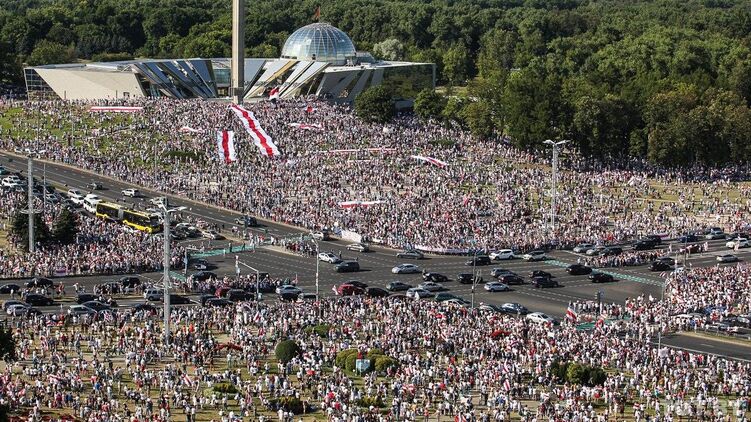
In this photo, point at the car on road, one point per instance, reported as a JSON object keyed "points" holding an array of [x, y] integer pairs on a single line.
{"points": [[412, 254], [3, 171], [23, 310], [78, 310], [358, 247], [511, 279], [347, 267], [578, 269], [376, 292], [654, 238], [159, 201], [85, 297], [356, 283], [496, 286], [179, 300], [727, 258], [40, 282], [39, 300], [5, 289], [405, 269], [211, 234], [601, 278], [153, 295], [346, 289], [659, 266], [94, 186], [329, 257], [321, 235], [130, 281], [544, 282], [217, 302], [11, 182], [583, 247], [238, 295], [489, 307], [200, 264], [145, 307], [688, 237], [693, 248], [500, 272], [643, 245], [594, 251], [466, 278], [444, 296], [536, 255], [479, 260], [130, 192], [737, 243], [611, 251], [9, 303], [97, 305], [430, 286], [246, 221], [288, 289], [435, 277], [514, 308], [502, 255], [540, 273], [204, 275], [715, 233], [419, 293], [541, 318], [398, 286]]}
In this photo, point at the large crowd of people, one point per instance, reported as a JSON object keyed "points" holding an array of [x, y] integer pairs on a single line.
{"points": [[489, 194]]}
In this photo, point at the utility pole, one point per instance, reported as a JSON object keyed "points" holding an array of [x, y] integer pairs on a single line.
{"points": [[318, 297], [258, 276], [30, 180], [553, 191], [474, 277], [237, 86], [166, 224]]}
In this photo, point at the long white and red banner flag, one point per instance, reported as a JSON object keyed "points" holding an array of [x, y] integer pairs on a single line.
{"points": [[188, 129], [353, 204], [431, 160], [115, 109], [225, 140], [305, 126], [260, 138]]}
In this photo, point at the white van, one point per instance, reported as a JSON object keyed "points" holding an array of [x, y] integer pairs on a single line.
{"points": [[89, 204]]}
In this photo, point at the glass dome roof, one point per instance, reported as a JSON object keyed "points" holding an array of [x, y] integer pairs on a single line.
{"points": [[319, 42]]}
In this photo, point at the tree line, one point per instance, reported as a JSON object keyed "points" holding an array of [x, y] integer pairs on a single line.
{"points": [[666, 80]]}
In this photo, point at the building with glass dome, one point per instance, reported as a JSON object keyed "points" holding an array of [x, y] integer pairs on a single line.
{"points": [[317, 59]]}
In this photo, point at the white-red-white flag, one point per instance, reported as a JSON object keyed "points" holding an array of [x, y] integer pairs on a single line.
{"points": [[225, 140], [188, 129], [274, 93], [431, 160], [260, 138]]}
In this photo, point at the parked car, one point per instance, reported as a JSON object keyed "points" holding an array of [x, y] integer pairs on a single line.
{"points": [[405, 269], [329, 257], [412, 254], [444, 296], [479, 260], [513, 308], [288, 289], [94, 186], [536, 255], [34, 299], [466, 278], [543, 282], [659, 266], [7, 288], [246, 221], [601, 278], [419, 293], [583, 247], [578, 269], [500, 272], [347, 267], [377, 292], [358, 247], [511, 279], [204, 275], [40, 282], [496, 286], [502, 255], [541, 318], [430, 286], [540, 273], [727, 258], [435, 277], [398, 286]]}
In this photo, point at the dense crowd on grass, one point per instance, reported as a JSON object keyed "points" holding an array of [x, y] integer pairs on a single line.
{"points": [[488, 195]]}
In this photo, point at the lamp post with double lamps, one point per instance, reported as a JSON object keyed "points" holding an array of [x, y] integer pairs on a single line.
{"points": [[553, 193], [167, 262]]}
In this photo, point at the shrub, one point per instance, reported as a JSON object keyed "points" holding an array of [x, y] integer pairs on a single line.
{"points": [[576, 373], [322, 330], [225, 387], [558, 370], [341, 357], [290, 403], [351, 362], [287, 350], [368, 401], [383, 363], [596, 376], [373, 353]]}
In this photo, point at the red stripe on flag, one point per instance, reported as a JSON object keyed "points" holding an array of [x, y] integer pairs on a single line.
{"points": [[252, 124], [225, 146]]}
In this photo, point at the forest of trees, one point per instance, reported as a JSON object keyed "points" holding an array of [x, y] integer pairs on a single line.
{"points": [[668, 80]]}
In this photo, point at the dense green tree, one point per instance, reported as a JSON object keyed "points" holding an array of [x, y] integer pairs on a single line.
{"points": [[20, 229], [48, 52], [7, 345], [65, 227], [10, 65], [478, 118], [375, 105], [429, 104], [390, 49], [456, 64]]}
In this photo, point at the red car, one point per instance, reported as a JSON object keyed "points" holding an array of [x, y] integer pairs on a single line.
{"points": [[349, 290]]}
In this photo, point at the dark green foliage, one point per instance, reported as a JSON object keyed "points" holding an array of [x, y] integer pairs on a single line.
{"points": [[341, 357], [375, 105], [290, 404], [286, 350], [577, 373], [65, 228], [225, 387], [7, 345], [429, 104], [369, 401], [111, 57], [20, 229]]}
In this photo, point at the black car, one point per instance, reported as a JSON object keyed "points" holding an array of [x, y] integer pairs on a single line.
{"points": [[85, 297], [288, 297], [205, 297], [540, 273], [500, 272], [611, 251], [511, 279], [40, 282], [435, 277], [542, 282], [514, 309], [688, 238], [146, 307], [398, 286], [466, 278], [39, 300], [217, 302], [97, 305], [376, 292], [644, 245], [347, 267], [178, 300], [130, 281], [659, 266], [203, 275], [200, 264], [601, 278], [356, 283], [479, 260], [578, 269], [237, 295], [246, 221], [655, 238], [7, 288]]}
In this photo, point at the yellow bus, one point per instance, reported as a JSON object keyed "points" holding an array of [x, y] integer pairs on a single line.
{"points": [[142, 221], [110, 211]]}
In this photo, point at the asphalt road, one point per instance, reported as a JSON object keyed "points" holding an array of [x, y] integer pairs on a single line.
{"points": [[376, 265]]}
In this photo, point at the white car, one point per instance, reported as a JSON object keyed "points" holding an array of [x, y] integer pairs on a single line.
{"points": [[51, 197], [288, 289], [17, 309], [496, 286], [329, 257], [540, 318], [359, 247], [537, 255], [740, 242], [502, 254], [583, 247], [419, 293], [715, 233], [211, 234], [405, 269], [75, 198], [11, 181], [76, 192], [92, 197], [160, 200], [130, 192], [430, 286], [80, 310], [727, 258]]}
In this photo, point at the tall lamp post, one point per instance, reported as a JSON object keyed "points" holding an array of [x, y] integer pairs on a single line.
{"points": [[30, 184], [167, 258], [556, 146], [318, 297], [258, 275]]}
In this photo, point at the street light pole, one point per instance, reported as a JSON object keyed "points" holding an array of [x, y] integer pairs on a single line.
{"points": [[553, 191], [474, 277], [30, 180], [318, 297], [258, 275], [167, 258]]}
